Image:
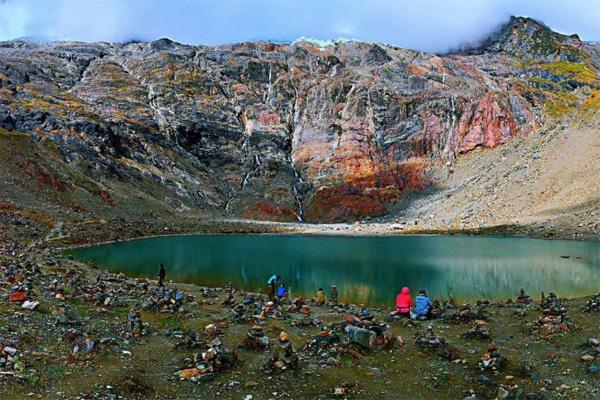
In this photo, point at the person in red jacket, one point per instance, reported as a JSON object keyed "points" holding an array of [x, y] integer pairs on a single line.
{"points": [[404, 303]]}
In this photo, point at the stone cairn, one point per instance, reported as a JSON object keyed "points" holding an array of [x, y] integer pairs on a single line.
{"points": [[333, 295]]}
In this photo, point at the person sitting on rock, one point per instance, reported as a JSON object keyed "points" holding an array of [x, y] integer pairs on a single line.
{"points": [[320, 298], [282, 292], [404, 303], [423, 305], [271, 286]]}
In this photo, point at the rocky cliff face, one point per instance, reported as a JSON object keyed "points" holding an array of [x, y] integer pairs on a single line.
{"points": [[268, 131]]}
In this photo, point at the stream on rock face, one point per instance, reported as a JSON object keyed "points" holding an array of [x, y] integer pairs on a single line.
{"points": [[368, 270]]}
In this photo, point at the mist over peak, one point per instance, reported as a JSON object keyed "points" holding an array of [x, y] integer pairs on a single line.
{"points": [[428, 25]]}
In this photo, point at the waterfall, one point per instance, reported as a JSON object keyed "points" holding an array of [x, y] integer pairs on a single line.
{"points": [[300, 213]]}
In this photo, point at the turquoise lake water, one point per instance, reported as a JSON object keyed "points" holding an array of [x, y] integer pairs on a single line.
{"points": [[365, 269]]}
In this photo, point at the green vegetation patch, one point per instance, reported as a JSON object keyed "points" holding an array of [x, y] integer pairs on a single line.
{"points": [[560, 103], [576, 71]]}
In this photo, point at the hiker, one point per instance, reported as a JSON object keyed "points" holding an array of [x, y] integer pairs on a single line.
{"points": [[404, 303], [320, 298], [423, 305], [161, 275], [271, 286], [282, 292]]}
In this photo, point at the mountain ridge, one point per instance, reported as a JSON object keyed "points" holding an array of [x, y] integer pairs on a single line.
{"points": [[277, 131]]}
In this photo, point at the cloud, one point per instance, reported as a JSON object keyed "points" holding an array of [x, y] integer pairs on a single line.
{"points": [[428, 25]]}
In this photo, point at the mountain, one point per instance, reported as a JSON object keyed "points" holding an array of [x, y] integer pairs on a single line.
{"points": [[269, 131]]}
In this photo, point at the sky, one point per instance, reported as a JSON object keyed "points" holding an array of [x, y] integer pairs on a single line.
{"points": [[426, 25]]}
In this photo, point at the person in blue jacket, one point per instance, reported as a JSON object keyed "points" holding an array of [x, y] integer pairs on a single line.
{"points": [[271, 286], [423, 305], [282, 291]]}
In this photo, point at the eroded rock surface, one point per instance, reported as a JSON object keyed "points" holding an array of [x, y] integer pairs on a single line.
{"points": [[275, 131]]}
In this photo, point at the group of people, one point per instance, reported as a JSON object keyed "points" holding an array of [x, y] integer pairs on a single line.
{"points": [[405, 306], [419, 308], [282, 291]]}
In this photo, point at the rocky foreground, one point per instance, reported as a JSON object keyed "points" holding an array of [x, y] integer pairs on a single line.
{"points": [[73, 331]]}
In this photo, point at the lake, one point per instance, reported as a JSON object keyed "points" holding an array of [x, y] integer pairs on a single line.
{"points": [[365, 269]]}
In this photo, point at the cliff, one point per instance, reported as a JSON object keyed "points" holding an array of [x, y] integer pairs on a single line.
{"points": [[279, 132]]}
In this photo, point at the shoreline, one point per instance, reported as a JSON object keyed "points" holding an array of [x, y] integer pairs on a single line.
{"points": [[149, 366], [360, 229], [277, 230]]}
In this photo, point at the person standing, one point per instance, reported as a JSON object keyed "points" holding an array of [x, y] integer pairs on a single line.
{"points": [[271, 286], [161, 275]]}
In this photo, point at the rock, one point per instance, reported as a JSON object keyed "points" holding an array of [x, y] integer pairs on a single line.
{"points": [[563, 388], [188, 373], [408, 110], [211, 330], [593, 369], [363, 337], [10, 351], [587, 357], [30, 305], [339, 392], [17, 296], [502, 393], [283, 336]]}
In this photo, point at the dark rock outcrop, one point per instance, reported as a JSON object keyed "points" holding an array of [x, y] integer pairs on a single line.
{"points": [[282, 132]]}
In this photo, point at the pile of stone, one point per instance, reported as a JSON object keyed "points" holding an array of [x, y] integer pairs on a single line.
{"points": [[299, 306], [63, 315], [523, 298], [553, 320], [188, 340], [167, 300], [304, 321], [282, 357], [467, 313], [212, 330], [135, 327], [492, 360], [593, 304], [552, 305], [256, 339], [325, 348], [333, 295], [229, 300], [240, 313], [214, 359], [11, 362], [478, 331], [209, 295], [300, 313], [266, 310], [430, 342], [366, 332], [549, 325], [80, 340]]}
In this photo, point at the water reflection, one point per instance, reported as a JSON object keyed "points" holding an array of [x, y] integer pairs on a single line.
{"points": [[366, 269]]}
